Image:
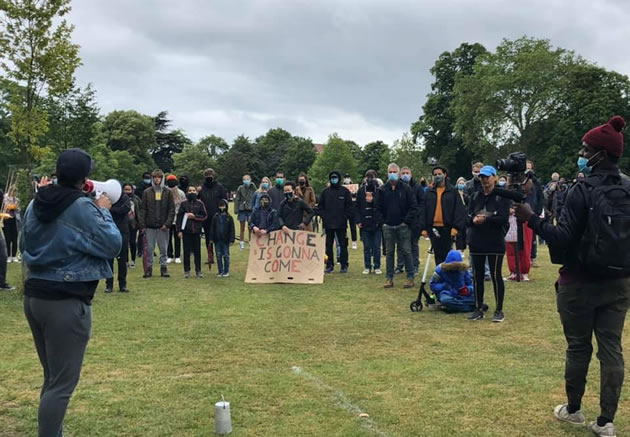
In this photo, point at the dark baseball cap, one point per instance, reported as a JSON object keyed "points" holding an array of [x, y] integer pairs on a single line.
{"points": [[73, 165]]}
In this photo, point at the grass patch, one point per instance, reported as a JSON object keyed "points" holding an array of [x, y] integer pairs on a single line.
{"points": [[161, 356]]}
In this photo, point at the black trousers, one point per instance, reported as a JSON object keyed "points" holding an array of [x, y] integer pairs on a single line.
{"points": [[3, 260], [192, 243], [11, 236], [353, 227], [341, 235], [174, 244], [442, 244], [479, 270], [594, 307], [122, 264], [133, 243]]}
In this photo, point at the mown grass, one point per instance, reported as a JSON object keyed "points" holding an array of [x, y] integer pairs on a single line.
{"points": [[161, 356]]}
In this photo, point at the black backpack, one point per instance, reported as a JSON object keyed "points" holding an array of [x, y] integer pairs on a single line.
{"points": [[605, 245]]}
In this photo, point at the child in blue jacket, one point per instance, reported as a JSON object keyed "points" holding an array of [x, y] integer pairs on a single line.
{"points": [[452, 284]]}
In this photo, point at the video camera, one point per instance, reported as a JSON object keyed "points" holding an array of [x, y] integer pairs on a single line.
{"points": [[516, 167]]}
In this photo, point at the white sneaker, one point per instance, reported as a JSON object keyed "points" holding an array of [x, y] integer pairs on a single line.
{"points": [[562, 413], [15, 260], [226, 275], [178, 260], [354, 245], [242, 245], [378, 272], [219, 275], [169, 260], [9, 260], [366, 272], [525, 277], [607, 430]]}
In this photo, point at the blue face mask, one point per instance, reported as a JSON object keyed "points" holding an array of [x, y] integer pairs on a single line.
{"points": [[460, 187], [246, 182], [265, 185], [582, 164], [147, 181], [501, 183], [334, 181], [393, 177], [406, 177]]}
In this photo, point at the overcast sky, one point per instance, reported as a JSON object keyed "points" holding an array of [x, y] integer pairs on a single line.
{"points": [[356, 67]]}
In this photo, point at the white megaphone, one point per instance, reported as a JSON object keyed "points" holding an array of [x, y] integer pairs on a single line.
{"points": [[110, 188]]}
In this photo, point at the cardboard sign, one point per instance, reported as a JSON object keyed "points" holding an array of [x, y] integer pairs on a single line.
{"points": [[354, 188], [293, 258]]}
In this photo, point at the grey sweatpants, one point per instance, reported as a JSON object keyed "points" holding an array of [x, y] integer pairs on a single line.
{"points": [[61, 330], [161, 238]]}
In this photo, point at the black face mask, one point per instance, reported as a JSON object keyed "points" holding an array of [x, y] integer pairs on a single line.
{"points": [[209, 179], [302, 183], [171, 184], [288, 196], [191, 197]]}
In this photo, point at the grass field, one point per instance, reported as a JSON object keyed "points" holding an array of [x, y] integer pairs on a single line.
{"points": [[302, 361]]}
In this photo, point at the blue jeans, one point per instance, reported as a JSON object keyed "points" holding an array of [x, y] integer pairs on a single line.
{"points": [[371, 248], [398, 236], [223, 256]]}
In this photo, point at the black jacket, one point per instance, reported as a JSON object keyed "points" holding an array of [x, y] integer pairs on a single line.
{"points": [[292, 214], [120, 214], [398, 206], [471, 187], [265, 218], [276, 194], [227, 236], [335, 206], [453, 210], [211, 194], [419, 194], [488, 237], [193, 226], [370, 217], [564, 239]]}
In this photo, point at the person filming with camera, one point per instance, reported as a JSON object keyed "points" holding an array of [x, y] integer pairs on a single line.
{"points": [[591, 241], [488, 215], [68, 239]]}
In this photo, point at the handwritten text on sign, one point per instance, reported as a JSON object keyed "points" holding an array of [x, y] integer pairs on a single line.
{"points": [[295, 257]]}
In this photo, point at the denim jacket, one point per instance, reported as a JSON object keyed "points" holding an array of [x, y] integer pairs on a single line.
{"points": [[73, 248]]}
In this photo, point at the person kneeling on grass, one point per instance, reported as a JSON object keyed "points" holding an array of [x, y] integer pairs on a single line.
{"points": [[452, 284], [222, 235], [195, 211], [265, 218]]}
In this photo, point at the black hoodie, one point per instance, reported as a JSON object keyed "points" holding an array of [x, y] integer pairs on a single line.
{"points": [[52, 200], [335, 204]]}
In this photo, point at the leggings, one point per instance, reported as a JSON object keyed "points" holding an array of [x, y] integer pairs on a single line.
{"points": [[496, 264]]}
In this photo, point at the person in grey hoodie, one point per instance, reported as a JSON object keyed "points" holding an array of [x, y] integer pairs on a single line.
{"points": [[244, 205]]}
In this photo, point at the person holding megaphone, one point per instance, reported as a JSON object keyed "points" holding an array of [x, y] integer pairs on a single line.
{"points": [[67, 240]]}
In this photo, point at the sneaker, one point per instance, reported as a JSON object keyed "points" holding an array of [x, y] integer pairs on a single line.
{"points": [[199, 275], [498, 317], [132, 265], [242, 245], [398, 270], [7, 287], [534, 263], [525, 277], [226, 275], [366, 272], [329, 269], [487, 278], [477, 315], [124, 290], [354, 245], [512, 277], [168, 260], [186, 275], [344, 269], [409, 284], [389, 284], [109, 290], [178, 260], [378, 272], [147, 275], [219, 275], [607, 430], [9, 260], [16, 259], [562, 413]]}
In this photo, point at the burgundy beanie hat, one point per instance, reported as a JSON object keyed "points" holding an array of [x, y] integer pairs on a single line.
{"points": [[607, 136]]}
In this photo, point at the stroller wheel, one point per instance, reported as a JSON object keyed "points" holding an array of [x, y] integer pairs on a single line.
{"points": [[415, 306]]}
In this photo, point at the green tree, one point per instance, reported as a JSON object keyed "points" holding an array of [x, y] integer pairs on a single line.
{"points": [[240, 160], [272, 148], [167, 142], [216, 146], [519, 85], [406, 153], [38, 57], [435, 128], [376, 156], [337, 155], [299, 157], [192, 161], [130, 131]]}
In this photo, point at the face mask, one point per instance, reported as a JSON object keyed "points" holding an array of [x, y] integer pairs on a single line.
{"points": [[265, 185], [128, 193], [172, 184], [279, 181], [501, 183], [582, 164], [438, 179], [334, 181], [146, 181], [347, 181], [222, 208], [209, 179], [246, 182], [406, 177], [475, 175], [393, 177], [288, 196], [264, 203], [54, 181], [460, 187], [302, 182], [191, 197]]}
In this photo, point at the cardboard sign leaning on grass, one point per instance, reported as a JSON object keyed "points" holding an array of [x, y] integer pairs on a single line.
{"points": [[293, 258]]}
